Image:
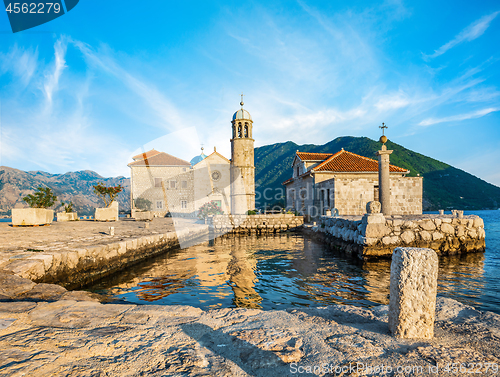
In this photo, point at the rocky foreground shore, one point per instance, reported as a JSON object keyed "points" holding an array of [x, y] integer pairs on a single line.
{"points": [[48, 331]]}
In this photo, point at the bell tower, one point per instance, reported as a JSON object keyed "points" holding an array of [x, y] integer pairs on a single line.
{"points": [[242, 162]]}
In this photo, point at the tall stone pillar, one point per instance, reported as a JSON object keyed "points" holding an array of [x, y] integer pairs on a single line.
{"points": [[384, 183]]}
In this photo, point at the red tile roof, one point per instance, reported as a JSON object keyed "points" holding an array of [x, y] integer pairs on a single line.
{"points": [[144, 155], [160, 159], [348, 162], [306, 156]]}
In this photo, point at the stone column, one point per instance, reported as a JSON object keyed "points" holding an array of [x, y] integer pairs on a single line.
{"points": [[384, 183], [412, 302]]}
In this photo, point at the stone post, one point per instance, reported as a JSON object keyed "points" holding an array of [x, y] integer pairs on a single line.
{"points": [[384, 182], [412, 302]]}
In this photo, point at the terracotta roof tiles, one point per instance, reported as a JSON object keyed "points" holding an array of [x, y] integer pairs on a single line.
{"points": [[144, 155], [160, 159], [348, 162], [306, 156]]}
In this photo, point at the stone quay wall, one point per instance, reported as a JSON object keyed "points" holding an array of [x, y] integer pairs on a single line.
{"points": [[255, 224], [375, 235], [80, 266]]}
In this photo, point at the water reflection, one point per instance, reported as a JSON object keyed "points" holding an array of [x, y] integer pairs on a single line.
{"points": [[276, 272]]}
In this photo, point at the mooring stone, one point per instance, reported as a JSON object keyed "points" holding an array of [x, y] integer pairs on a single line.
{"points": [[413, 292]]}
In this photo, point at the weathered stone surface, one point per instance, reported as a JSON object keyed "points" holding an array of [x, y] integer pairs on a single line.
{"points": [[43, 292], [427, 225], [13, 285], [373, 207], [413, 292], [74, 314], [447, 228], [436, 236], [425, 235], [408, 237], [376, 230], [154, 340]]}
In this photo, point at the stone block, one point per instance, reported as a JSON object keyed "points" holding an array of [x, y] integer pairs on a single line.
{"points": [[376, 218], [32, 216], [67, 216], [436, 236], [376, 230], [478, 222], [425, 235], [413, 290], [460, 231], [447, 228], [408, 237], [106, 214], [427, 225], [143, 216]]}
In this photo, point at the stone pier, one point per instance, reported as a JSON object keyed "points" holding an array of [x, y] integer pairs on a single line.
{"points": [[376, 235], [254, 224]]}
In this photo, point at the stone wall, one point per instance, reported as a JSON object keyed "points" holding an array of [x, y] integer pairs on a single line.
{"points": [[80, 266], [377, 235], [256, 224]]}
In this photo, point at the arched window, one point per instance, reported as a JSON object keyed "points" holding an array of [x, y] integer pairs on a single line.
{"points": [[246, 129], [234, 131], [239, 129]]}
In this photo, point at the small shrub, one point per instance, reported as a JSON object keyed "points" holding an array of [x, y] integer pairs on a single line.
{"points": [[250, 212], [143, 204], [210, 208], [68, 208], [107, 194], [42, 198]]}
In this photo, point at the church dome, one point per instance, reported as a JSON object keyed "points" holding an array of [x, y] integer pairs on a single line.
{"points": [[197, 159], [242, 114]]}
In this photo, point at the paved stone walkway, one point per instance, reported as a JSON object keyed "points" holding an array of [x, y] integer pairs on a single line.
{"points": [[88, 338]]}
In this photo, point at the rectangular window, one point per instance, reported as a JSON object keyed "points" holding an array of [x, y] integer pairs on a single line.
{"points": [[184, 184], [375, 193], [159, 204], [184, 204], [172, 184], [157, 182]]}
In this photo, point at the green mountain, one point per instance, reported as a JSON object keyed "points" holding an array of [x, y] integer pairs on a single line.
{"points": [[445, 187]]}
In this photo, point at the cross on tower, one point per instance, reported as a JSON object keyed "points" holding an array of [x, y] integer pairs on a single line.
{"points": [[383, 127]]}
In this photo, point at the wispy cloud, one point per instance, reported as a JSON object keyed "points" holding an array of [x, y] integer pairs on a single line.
{"points": [[471, 32], [21, 62], [459, 117], [52, 79]]}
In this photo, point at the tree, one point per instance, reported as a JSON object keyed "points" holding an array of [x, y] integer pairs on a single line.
{"points": [[210, 208], [42, 198], [107, 194]]}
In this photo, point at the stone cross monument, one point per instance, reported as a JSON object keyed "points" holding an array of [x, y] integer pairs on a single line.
{"points": [[384, 182]]}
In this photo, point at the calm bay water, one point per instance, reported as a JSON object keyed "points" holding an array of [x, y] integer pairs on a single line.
{"points": [[290, 270]]}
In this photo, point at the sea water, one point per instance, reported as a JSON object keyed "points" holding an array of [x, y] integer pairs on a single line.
{"points": [[292, 270]]}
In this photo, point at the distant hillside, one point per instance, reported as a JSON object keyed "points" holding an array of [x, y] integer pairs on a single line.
{"points": [[445, 187], [73, 187]]}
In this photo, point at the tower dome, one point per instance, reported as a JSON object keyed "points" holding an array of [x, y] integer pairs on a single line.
{"points": [[242, 114], [197, 159]]}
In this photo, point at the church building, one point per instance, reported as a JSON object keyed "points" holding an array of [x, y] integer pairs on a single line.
{"points": [[173, 185], [346, 181]]}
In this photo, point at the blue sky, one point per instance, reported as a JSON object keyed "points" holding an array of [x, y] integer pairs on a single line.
{"points": [[103, 82]]}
